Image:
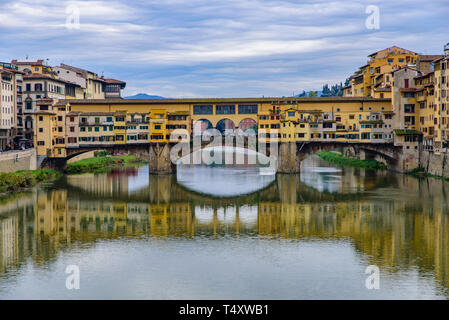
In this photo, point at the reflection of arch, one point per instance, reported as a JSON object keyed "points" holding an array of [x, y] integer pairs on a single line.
{"points": [[247, 124], [201, 125], [226, 126]]}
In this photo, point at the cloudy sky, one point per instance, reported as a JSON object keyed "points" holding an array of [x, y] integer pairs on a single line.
{"points": [[211, 48]]}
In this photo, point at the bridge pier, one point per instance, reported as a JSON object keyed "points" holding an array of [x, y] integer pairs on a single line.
{"points": [[289, 158], [160, 162]]}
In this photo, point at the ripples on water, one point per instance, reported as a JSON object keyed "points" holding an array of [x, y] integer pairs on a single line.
{"points": [[306, 236]]}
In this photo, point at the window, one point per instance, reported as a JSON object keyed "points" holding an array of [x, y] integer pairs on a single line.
{"points": [[97, 129], [205, 109], [406, 83], [409, 120], [291, 113], [247, 108], [41, 143], [41, 118], [41, 129], [72, 129], [225, 109], [409, 108]]}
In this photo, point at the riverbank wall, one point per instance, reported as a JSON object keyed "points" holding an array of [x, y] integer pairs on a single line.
{"points": [[436, 164], [13, 161]]}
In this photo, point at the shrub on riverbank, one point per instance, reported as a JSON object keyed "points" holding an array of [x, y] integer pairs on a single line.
{"points": [[102, 164], [421, 173], [10, 182], [338, 159]]}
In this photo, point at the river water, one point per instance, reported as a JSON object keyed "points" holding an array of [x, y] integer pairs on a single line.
{"points": [[228, 233]]}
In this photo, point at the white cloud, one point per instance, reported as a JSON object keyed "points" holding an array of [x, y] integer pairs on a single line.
{"points": [[219, 48]]}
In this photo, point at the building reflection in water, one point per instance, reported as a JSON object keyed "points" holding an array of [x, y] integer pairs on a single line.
{"points": [[388, 224]]}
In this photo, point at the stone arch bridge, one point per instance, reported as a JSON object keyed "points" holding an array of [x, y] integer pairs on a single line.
{"points": [[289, 154]]}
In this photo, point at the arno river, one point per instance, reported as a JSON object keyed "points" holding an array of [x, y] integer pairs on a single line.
{"points": [[228, 234]]}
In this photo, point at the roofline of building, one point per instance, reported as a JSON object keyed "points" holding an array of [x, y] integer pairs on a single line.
{"points": [[38, 76]]}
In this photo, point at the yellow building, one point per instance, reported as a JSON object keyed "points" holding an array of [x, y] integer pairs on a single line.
{"points": [[269, 125], [374, 79], [179, 123], [120, 126], [45, 129], [137, 128], [442, 100], [158, 126]]}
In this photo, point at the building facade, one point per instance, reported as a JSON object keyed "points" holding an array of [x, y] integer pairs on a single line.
{"points": [[10, 105], [117, 122]]}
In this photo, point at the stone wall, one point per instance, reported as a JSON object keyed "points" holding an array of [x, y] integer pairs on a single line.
{"points": [[13, 161], [435, 163]]}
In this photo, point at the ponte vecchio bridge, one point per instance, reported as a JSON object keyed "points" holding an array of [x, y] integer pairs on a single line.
{"points": [[362, 127]]}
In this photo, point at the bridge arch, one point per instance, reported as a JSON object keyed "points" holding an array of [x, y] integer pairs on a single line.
{"points": [[385, 154], [248, 124], [225, 126], [202, 125]]}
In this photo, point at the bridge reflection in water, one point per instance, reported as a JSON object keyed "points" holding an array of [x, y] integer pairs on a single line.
{"points": [[394, 221]]}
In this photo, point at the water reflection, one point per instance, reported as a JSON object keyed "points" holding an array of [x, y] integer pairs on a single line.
{"points": [[396, 222], [223, 181]]}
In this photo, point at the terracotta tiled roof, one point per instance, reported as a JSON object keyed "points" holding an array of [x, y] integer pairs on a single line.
{"points": [[48, 77], [408, 89], [28, 63], [386, 89], [113, 81], [430, 57]]}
